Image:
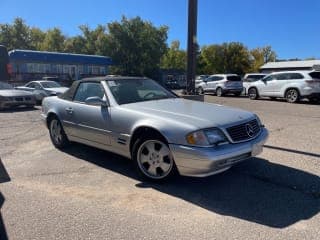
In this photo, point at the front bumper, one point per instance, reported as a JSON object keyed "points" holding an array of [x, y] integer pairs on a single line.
{"points": [[204, 161]]}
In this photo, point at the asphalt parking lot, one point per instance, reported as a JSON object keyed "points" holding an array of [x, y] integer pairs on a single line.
{"points": [[85, 193]]}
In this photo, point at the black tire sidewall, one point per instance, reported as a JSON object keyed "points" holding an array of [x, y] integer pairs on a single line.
{"points": [[256, 92]]}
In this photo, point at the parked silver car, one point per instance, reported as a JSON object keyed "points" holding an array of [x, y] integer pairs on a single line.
{"points": [[292, 86], [221, 84], [162, 133], [10, 97], [43, 88]]}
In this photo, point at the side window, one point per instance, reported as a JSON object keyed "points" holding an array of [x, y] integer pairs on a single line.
{"points": [[269, 78], [293, 76], [88, 89], [210, 79], [30, 85], [282, 76], [219, 78]]}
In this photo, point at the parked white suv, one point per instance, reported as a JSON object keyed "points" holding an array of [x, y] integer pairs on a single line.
{"points": [[292, 86], [221, 84]]}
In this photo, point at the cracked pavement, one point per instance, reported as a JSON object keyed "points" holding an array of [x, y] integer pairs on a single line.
{"points": [[86, 193]]}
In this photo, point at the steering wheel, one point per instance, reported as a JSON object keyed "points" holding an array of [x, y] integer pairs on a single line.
{"points": [[150, 94]]}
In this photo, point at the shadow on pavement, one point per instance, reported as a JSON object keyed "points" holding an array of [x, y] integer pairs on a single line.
{"points": [[256, 190], [18, 109], [293, 151], [4, 177]]}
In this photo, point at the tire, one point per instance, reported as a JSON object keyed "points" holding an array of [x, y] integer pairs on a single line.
{"points": [[200, 90], [253, 93], [57, 135], [153, 159], [292, 95], [219, 92]]}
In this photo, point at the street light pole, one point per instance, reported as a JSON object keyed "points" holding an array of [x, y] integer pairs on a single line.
{"points": [[192, 45]]}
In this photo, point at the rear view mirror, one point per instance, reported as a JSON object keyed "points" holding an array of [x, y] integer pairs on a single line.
{"points": [[96, 101]]}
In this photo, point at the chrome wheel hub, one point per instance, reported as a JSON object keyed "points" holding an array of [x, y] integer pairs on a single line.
{"points": [[155, 159]]}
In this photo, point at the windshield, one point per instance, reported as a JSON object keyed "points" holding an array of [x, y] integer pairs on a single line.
{"points": [[137, 90], [4, 86], [50, 84]]}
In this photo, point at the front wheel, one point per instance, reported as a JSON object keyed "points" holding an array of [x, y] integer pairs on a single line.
{"points": [[57, 134], [153, 159], [253, 93], [292, 96]]}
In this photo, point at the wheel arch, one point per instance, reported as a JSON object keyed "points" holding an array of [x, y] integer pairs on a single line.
{"points": [[50, 116], [289, 88], [143, 131]]}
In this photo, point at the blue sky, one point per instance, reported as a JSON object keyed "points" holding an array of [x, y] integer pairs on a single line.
{"points": [[291, 27]]}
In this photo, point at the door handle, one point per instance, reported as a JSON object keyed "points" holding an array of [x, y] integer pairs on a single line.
{"points": [[69, 110]]}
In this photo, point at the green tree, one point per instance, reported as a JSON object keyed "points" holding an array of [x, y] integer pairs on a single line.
{"points": [[75, 45], [16, 35], [136, 46], [174, 58], [53, 41], [37, 37], [231, 57], [260, 56]]}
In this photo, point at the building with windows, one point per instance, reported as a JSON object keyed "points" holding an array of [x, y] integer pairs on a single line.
{"points": [[29, 65], [290, 66]]}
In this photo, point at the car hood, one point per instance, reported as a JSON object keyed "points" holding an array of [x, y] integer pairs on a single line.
{"points": [[14, 93], [194, 113], [57, 90]]}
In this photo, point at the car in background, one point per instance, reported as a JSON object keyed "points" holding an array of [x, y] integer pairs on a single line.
{"points": [[43, 88], [221, 84], [10, 97], [161, 132], [291, 85], [172, 84], [249, 78]]}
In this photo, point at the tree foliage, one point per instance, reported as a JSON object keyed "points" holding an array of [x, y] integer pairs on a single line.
{"points": [[174, 58], [136, 46]]}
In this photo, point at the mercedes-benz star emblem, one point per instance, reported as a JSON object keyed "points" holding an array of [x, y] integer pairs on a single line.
{"points": [[249, 130]]}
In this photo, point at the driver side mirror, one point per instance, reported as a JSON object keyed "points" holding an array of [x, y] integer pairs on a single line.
{"points": [[96, 101]]}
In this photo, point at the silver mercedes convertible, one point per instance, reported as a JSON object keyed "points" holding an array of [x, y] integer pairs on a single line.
{"points": [[162, 133]]}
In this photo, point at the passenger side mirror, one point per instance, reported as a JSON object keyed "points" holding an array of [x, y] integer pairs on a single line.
{"points": [[96, 101]]}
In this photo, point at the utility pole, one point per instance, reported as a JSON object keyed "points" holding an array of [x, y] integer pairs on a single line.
{"points": [[192, 45]]}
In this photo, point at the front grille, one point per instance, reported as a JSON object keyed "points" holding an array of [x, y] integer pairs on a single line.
{"points": [[27, 98], [244, 131], [19, 99]]}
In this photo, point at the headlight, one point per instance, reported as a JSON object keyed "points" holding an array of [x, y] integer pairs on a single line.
{"points": [[206, 137]]}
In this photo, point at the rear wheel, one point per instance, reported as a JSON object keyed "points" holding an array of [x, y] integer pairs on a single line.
{"points": [[292, 95], [219, 92], [253, 93], [57, 134], [153, 159]]}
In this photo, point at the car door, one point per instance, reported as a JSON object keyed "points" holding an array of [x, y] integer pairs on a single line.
{"points": [[268, 86], [282, 81], [212, 83], [89, 122]]}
